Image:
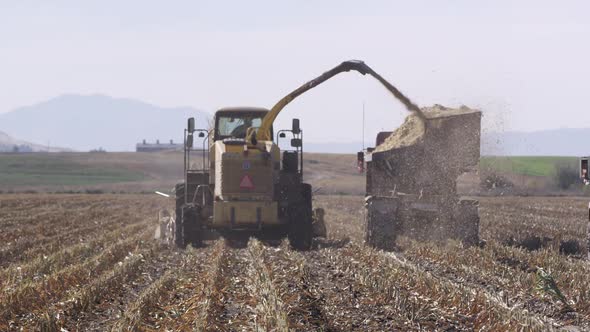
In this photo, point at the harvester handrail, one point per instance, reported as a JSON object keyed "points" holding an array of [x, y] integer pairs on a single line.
{"points": [[263, 132]]}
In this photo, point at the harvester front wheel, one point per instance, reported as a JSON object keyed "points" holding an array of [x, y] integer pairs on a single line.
{"points": [[301, 221]]}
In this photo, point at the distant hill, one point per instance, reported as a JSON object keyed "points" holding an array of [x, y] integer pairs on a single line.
{"points": [[85, 123], [343, 147], [556, 142], [88, 122], [8, 144]]}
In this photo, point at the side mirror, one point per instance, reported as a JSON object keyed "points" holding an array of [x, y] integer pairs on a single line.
{"points": [[189, 141], [360, 157], [201, 134], [295, 127], [282, 135], [191, 125], [296, 142]]}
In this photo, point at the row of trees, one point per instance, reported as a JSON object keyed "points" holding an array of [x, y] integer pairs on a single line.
{"points": [[21, 148], [565, 177]]}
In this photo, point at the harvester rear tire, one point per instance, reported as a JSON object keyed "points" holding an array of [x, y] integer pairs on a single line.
{"points": [[301, 221], [192, 232]]}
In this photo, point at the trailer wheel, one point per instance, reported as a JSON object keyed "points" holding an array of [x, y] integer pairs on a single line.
{"points": [[383, 223], [301, 221], [466, 221]]}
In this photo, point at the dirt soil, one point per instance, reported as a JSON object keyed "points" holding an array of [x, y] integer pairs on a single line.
{"points": [[90, 263]]}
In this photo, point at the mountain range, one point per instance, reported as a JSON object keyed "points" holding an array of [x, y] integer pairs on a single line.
{"points": [[87, 122], [553, 142], [9, 144]]}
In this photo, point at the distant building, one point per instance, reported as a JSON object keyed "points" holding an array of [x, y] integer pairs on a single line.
{"points": [[99, 150], [144, 146]]}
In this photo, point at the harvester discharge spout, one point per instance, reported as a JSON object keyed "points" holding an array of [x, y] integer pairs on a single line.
{"points": [[263, 133]]}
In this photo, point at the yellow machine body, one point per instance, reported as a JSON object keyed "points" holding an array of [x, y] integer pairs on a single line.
{"points": [[244, 180]]}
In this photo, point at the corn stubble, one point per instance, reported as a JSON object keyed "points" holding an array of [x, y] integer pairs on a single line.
{"points": [[88, 262]]}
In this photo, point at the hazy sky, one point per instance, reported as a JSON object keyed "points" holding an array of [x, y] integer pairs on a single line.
{"points": [[524, 63]]}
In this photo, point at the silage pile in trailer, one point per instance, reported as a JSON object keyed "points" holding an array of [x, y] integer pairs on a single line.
{"points": [[412, 130]]}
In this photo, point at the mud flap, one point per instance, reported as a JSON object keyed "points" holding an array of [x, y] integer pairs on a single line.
{"points": [[191, 226], [165, 230]]}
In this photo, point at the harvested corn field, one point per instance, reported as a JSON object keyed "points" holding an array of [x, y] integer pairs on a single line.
{"points": [[89, 262]]}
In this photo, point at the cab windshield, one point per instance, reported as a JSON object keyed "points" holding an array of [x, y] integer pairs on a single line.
{"points": [[236, 125]]}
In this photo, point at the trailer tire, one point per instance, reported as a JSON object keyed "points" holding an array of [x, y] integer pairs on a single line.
{"points": [[466, 223], [383, 223]]}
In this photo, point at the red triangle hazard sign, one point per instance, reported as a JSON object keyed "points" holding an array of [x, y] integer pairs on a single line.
{"points": [[246, 182]]}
